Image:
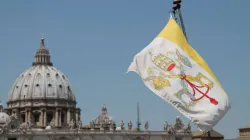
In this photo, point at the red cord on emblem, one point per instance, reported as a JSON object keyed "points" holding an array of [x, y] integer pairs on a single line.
{"points": [[196, 88]]}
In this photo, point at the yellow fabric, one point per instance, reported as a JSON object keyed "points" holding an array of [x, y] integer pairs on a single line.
{"points": [[174, 33]]}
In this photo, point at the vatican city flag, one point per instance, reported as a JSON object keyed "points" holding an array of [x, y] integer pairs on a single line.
{"points": [[174, 71]]}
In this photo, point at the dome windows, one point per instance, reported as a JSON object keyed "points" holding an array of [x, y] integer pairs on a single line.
{"points": [[42, 82], [69, 89]]}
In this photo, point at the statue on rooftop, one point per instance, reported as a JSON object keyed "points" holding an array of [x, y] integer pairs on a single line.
{"points": [[146, 125], [111, 125], [29, 124], [13, 116], [170, 130], [102, 125], [23, 128], [130, 125], [92, 125], [122, 125], [79, 124], [13, 124], [52, 123], [72, 124], [3, 128], [188, 129], [166, 126], [178, 125]]}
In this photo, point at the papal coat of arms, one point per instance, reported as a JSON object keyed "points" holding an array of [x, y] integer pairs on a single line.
{"points": [[195, 87]]}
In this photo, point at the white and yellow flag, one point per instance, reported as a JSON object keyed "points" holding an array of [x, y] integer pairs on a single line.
{"points": [[173, 70]]}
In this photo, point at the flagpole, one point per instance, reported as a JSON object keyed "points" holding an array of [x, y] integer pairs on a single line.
{"points": [[209, 135], [138, 118], [177, 11]]}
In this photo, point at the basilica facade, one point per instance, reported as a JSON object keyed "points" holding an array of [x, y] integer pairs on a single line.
{"points": [[41, 105]]}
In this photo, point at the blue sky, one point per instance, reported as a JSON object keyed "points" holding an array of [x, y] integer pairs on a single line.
{"points": [[93, 43]]}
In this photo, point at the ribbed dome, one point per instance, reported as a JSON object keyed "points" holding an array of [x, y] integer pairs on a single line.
{"points": [[41, 82]]}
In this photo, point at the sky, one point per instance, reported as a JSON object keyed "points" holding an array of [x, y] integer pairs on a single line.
{"points": [[94, 42]]}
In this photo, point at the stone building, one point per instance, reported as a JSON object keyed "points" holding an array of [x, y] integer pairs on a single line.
{"points": [[244, 132], [199, 135], [41, 105]]}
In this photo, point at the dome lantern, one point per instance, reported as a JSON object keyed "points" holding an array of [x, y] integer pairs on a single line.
{"points": [[42, 56]]}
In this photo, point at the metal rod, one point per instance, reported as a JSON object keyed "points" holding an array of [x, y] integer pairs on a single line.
{"points": [[209, 135], [138, 117], [173, 15], [177, 12], [182, 23]]}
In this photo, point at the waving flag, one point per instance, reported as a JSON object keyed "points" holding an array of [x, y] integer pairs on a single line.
{"points": [[173, 70]]}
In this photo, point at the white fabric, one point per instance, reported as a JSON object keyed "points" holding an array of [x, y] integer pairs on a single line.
{"points": [[203, 113]]}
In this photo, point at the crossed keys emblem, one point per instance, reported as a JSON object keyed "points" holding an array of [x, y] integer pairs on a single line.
{"points": [[195, 87]]}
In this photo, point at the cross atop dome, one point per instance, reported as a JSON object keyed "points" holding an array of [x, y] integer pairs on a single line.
{"points": [[42, 42], [42, 56], [104, 109]]}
